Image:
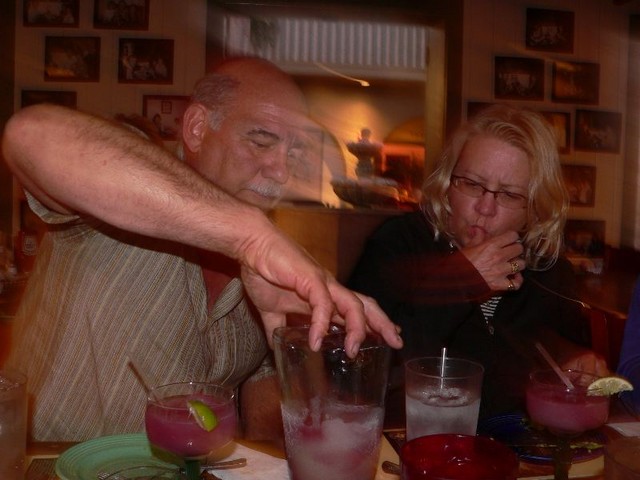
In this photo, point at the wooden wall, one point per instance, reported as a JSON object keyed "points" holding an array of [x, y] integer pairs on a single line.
{"points": [[497, 28], [7, 55]]}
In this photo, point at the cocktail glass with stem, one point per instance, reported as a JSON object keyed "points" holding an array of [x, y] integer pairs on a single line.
{"points": [[565, 410], [191, 420]]}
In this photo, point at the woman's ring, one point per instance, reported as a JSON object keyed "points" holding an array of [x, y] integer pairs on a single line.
{"points": [[514, 267], [511, 286]]}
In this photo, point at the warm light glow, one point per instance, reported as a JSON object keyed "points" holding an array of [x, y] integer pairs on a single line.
{"points": [[362, 83]]}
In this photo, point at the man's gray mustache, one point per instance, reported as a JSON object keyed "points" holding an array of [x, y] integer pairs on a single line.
{"points": [[274, 191]]}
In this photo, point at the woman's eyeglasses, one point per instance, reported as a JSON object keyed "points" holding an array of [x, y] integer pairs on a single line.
{"points": [[504, 198]]}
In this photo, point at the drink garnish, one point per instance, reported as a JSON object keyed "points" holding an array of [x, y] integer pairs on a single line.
{"points": [[204, 416], [609, 386]]}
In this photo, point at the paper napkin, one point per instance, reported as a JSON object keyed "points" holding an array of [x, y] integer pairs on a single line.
{"points": [[259, 466], [628, 429]]}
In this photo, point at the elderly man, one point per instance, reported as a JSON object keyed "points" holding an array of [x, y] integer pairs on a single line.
{"points": [[128, 269]]}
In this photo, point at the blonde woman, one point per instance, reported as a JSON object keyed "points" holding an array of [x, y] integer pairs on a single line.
{"points": [[479, 268]]}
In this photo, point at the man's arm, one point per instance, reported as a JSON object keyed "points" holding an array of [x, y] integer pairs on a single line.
{"points": [[74, 162]]}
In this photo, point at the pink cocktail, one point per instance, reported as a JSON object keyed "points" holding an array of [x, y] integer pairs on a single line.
{"points": [[562, 410], [340, 442], [171, 426], [332, 405], [566, 412]]}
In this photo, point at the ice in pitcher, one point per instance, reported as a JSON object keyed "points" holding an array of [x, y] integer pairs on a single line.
{"points": [[337, 442]]}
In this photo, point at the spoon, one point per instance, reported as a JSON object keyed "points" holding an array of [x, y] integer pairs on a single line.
{"points": [[223, 465], [390, 467], [226, 464]]}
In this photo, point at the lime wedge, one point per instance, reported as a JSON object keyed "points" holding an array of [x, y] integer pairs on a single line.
{"points": [[204, 416], [609, 386]]}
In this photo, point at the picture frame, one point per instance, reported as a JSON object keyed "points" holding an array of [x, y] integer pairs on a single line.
{"points": [[575, 82], [518, 78], [165, 112], [549, 30], [72, 59], [597, 131], [133, 16], [580, 181], [52, 13], [584, 242], [145, 60], [561, 124], [56, 97]]}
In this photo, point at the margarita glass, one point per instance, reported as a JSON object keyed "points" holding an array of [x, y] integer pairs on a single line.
{"points": [[191, 420], [565, 412]]}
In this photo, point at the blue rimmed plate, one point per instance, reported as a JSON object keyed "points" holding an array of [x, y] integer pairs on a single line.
{"points": [[535, 445], [106, 455]]}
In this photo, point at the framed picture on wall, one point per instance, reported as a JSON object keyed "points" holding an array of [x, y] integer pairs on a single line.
{"points": [[575, 82], [585, 244], [519, 78], [165, 111], [580, 181], [120, 15], [72, 59], [549, 30], [50, 13], [561, 124], [597, 131], [145, 60], [57, 97]]}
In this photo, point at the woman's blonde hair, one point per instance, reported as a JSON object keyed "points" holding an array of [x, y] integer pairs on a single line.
{"points": [[548, 202]]}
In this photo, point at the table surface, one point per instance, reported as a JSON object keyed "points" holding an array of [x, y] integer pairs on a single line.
{"points": [[42, 456]]}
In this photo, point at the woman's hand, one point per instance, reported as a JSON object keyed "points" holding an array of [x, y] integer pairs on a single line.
{"points": [[587, 361], [498, 260]]}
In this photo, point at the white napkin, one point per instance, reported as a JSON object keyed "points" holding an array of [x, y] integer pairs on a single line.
{"points": [[259, 466], [628, 429]]}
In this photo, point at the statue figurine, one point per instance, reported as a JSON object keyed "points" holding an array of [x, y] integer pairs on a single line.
{"points": [[368, 154]]}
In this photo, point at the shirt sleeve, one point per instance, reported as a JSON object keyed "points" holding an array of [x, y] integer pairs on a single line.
{"points": [[629, 365], [46, 215], [403, 263]]}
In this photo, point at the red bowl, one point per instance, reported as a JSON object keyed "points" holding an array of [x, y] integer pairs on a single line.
{"points": [[457, 457]]}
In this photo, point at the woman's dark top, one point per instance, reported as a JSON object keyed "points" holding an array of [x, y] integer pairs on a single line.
{"points": [[434, 293]]}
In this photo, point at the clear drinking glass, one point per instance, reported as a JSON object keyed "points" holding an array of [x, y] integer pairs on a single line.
{"points": [[13, 424], [332, 406], [442, 399]]}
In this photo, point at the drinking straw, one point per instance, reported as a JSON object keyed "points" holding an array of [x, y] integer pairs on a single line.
{"points": [[442, 365], [142, 377], [554, 365]]}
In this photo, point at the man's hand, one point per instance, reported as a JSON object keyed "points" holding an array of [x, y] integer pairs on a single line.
{"points": [[282, 278]]}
